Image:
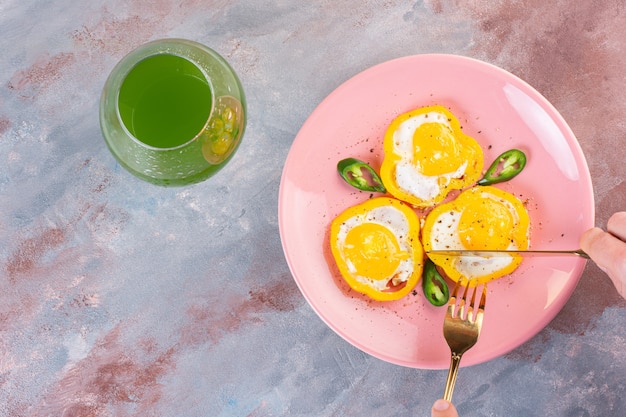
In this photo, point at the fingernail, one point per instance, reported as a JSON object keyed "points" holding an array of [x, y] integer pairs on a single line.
{"points": [[441, 405]]}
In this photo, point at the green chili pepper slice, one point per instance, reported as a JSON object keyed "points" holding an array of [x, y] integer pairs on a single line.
{"points": [[435, 287], [360, 175], [512, 161]]}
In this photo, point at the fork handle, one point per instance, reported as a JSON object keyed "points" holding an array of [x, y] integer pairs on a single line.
{"points": [[455, 360]]}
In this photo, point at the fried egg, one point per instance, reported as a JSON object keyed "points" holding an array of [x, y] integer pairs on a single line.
{"points": [[479, 218], [427, 155], [377, 249]]}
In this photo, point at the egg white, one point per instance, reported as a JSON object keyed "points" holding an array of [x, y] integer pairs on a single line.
{"points": [[407, 174]]}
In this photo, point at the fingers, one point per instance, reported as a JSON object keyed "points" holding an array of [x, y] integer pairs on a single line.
{"points": [[617, 225], [443, 408], [608, 252], [591, 242]]}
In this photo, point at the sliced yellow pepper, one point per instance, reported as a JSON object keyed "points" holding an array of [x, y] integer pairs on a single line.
{"points": [[377, 248], [427, 155], [480, 218]]}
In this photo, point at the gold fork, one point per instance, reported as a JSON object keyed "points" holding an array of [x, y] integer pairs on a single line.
{"points": [[461, 329]]}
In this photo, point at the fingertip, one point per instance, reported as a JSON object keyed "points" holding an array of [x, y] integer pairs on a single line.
{"points": [[618, 217], [616, 225], [443, 408], [441, 405]]}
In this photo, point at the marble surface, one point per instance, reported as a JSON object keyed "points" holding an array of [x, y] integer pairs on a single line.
{"points": [[121, 298]]}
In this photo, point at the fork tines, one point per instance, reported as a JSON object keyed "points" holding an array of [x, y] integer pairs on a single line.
{"points": [[466, 310]]}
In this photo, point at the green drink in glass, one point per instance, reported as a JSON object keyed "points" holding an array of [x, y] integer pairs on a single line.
{"points": [[173, 112]]}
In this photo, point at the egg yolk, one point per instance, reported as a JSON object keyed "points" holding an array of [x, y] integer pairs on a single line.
{"points": [[486, 224], [436, 149], [373, 251]]}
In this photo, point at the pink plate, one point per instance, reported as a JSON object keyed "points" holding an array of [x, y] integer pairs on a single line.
{"points": [[501, 112]]}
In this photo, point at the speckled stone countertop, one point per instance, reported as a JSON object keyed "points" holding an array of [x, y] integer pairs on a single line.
{"points": [[121, 298]]}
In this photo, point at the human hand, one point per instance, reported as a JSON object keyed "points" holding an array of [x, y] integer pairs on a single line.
{"points": [[443, 408], [608, 249]]}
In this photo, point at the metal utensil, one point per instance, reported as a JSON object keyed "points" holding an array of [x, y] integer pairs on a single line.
{"points": [[496, 252], [461, 328]]}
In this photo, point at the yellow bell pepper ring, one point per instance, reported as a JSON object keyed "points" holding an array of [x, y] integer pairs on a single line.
{"points": [[480, 218], [427, 155], [377, 249]]}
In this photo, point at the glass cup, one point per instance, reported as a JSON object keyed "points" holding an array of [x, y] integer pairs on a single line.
{"points": [[173, 112]]}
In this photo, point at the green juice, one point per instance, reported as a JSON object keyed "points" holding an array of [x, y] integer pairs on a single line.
{"points": [[165, 101], [172, 112]]}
